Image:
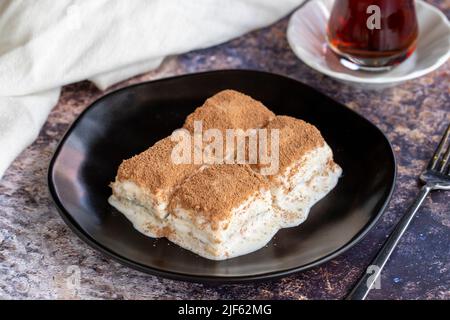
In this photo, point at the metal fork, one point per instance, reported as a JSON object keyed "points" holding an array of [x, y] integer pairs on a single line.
{"points": [[435, 177]]}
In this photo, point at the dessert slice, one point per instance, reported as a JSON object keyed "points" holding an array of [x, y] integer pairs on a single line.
{"points": [[222, 211], [144, 184], [306, 171], [227, 110], [230, 109]]}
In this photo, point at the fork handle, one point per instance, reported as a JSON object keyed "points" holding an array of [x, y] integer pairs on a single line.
{"points": [[365, 283]]}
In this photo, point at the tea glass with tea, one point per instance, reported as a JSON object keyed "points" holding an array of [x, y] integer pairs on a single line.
{"points": [[373, 35]]}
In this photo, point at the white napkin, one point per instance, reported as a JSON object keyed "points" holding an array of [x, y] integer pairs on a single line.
{"points": [[45, 44]]}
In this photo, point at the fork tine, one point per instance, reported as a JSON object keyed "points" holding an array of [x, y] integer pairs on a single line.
{"points": [[439, 150]]}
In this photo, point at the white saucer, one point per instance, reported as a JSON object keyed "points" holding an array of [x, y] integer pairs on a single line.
{"points": [[307, 37]]}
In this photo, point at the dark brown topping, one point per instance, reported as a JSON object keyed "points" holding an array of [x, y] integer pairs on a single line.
{"points": [[216, 190], [230, 109], [154, 170], [296, 138]]}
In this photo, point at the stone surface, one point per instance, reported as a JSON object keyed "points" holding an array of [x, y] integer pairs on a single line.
{"points": [[41, 258]]}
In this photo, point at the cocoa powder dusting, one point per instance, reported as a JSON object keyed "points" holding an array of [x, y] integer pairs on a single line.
{"points": [[216, 190], [154, 170], [230, 109], [296, 138]]}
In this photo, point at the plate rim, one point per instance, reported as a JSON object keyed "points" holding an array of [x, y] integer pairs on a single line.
{"points": [[96, 245]]}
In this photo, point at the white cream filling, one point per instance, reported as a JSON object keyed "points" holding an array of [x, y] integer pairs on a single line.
{"points": [[129, 191], [295, 194], [294, 206], [251, 226]]}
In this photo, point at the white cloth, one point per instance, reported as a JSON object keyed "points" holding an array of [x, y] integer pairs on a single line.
{"points": [[45, 44]]}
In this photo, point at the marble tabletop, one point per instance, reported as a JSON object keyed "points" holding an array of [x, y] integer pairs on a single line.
{"points": [[41, 258]]}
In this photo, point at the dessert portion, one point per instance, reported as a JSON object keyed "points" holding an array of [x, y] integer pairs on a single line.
{"points": [[148, 180], [227, 110], [230, 109], [306, 172], [145, 183], [220, 211]]}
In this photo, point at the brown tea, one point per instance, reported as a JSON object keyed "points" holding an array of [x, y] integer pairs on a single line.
{"points": [[373, 34]]}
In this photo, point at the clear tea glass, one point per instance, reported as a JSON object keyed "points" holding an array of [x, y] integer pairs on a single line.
{"points": [[373, 35]]}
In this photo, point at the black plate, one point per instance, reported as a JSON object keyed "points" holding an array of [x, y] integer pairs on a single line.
{"points": [[128, 121]]}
